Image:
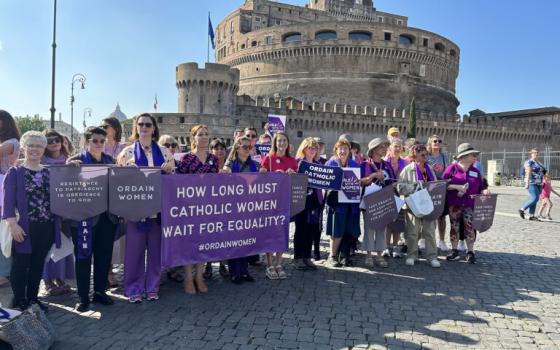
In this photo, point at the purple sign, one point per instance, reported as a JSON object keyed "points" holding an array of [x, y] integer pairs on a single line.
{"points": [[211, 217], [276, 123], [381, 209], [438, 192], [483, 212], [350, 190], [78, 193]]}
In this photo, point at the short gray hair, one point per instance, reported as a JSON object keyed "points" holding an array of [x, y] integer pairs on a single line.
{"points": [[32, 134]]}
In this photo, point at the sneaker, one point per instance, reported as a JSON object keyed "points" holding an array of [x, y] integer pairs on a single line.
{"points": [[396, 254], [386, 253], [435, 263], [422, 244], [470, 257], [548, 218], [317, 256], [462, 246], [82, 306], [443, 246], [410, 261], [310, 265], [299, 265], [271, 273], [333, 262], [347, 262], [152, 296], [533, 218], [102, 299], [281, 273], [453, 256], [135, 299], [522, 213]]}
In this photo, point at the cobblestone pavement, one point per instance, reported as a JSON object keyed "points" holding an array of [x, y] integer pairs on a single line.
{"points": [[508, 299]]}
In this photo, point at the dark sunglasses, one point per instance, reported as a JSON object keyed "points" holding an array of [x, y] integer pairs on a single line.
{"points": [[145, 125], [53, 140], [246, 147], [437, 141], [251, 136], [170, 145], [105, 127], [96, 141]]}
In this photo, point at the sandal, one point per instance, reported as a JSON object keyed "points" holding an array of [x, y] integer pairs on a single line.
{"points": [[188, 287], [281, 273], [271, 273], [174, 276]]}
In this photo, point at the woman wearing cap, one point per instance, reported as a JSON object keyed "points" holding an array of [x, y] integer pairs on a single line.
{"points": [[439, 162], [534, 173], [397, 164], [418, 171], [377, 171], [343, 219], [465, 181], [393, 133]]}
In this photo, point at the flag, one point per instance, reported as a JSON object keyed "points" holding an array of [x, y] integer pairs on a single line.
{"points": [[211, 32], [155, 104]]}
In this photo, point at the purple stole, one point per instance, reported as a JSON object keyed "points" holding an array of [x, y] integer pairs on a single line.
{"points": [[140, 159], [235, 167], [420, 176]]}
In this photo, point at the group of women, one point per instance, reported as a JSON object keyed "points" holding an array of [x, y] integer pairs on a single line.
{"points": [[26, 207]]}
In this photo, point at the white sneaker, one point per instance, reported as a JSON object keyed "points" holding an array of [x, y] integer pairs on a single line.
{"points": [[410, 261], [396, 254], [422, 244], [462, 247], [443, 246], [386, 253], [435, 263]]}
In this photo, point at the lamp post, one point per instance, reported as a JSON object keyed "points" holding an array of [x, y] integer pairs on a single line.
{"points": [[78, 77], [459, 122], [87, 111], [53, 109]]}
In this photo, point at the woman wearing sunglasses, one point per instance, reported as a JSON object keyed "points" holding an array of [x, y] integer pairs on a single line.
{"points": [[141, 274], [55, 274], [439, 161], [169, 142]]}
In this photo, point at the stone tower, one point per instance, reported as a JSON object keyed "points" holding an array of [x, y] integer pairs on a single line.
{"points": [[211, 90]]}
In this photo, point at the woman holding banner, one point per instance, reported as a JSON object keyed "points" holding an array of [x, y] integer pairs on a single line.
{"points": [[102, 232], [308, 222], [397, 164], [55, 274], [9, 153], [376, 171], [26, 190], [198, 161], [240, 161], [141, 274], [278, 160], [343, 219], [418, 172], [465, 181]]}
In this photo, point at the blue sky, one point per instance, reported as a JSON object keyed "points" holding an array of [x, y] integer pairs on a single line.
{"points": [[128, 50]]}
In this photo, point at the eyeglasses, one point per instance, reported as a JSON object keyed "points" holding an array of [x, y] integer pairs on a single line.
{"points": [[97, 141], [251, 136], [53, 140], [145, 125], [437, 141], [312, 148], [246, 147], [105, 127], [170, 145]]}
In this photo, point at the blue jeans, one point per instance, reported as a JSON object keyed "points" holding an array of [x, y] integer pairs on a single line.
{"points": [[534, 193]]}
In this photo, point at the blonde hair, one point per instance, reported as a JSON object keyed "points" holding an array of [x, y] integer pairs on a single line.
{"points": [[306, 143], [194, 131], [233, 153], [32, 134], [431, 142]]}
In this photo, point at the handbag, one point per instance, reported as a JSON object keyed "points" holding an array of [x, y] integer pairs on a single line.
{"points": [[5, 239], [420, 202], [29, 330], [332, 199]]}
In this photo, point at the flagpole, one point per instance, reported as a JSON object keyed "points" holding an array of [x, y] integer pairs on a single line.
{"points": [[208, 51]]}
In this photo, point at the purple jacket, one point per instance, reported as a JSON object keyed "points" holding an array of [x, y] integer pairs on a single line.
{"points": [[14, 198], [458, 176]]}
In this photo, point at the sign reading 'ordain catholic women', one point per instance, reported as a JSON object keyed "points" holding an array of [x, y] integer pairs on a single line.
{"points": [[212, 217], [322, 176]]}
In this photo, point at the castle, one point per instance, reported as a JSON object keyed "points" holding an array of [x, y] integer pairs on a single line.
{"points": [[339, 66]]}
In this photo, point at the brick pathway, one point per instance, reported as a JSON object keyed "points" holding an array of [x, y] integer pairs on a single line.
{"points": [[509, 299]]}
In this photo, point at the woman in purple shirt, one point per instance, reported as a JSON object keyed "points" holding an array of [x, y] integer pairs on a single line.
{"points": [[465, 181]]}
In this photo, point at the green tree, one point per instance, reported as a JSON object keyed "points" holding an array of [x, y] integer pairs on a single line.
{"points": [[30, 123], [411, 130]]}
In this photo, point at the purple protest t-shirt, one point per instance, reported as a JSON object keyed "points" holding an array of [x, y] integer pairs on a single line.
{"points": [[458, 176]]}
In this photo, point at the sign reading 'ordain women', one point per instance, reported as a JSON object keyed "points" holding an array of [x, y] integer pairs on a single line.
{"points": [[78, 193], [210, 217], [134, 193]]}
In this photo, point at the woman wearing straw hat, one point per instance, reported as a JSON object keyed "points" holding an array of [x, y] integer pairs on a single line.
{"points": [[465, 181], [534, 173]]}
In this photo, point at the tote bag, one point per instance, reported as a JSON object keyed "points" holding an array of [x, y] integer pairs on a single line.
{"points": [[420, 202]]}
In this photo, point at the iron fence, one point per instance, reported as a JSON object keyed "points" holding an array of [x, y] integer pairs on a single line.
{"points": [[513, 162]]}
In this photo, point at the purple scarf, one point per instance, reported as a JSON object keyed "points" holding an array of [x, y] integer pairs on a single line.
{"points": [[236, 166], [420, 176], [140, 157]]}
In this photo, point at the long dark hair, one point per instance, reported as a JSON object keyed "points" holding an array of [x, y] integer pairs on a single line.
{"points": [[115, 124], [134, 137], [53, 133], [9, 129]]}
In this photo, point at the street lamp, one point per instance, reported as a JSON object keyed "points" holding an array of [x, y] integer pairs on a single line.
{"points": [[78, 77], [53, 109], [459, 122], [87, 111]]}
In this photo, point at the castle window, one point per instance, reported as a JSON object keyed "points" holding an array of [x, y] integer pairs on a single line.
{"points": [[181, 120], [387, 36], [159, 120], [399, 22], [278, 22], [380, 19], [325, 35], [406, 39], [242, 46], [291, 37], [425, 42], [439, 47], [253, 43], [300, 134], [257, 19], [359, 36], [453, 53], [268, 40]]}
